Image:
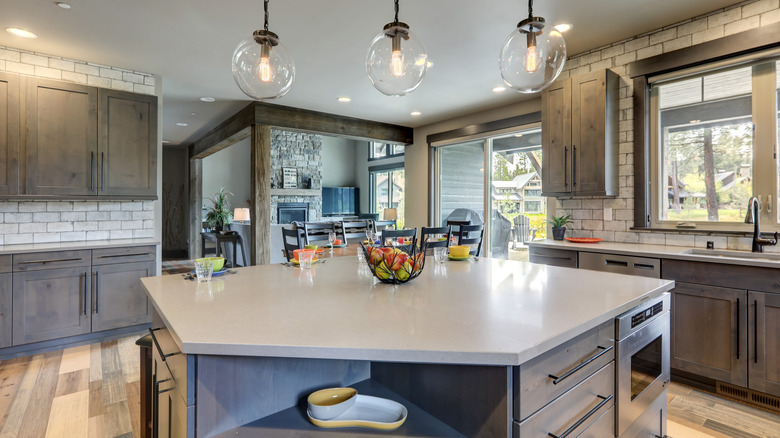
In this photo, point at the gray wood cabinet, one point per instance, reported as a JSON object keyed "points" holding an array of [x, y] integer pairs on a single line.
{"points": [[764, 329], [709, 332], [9, 134], [127, 145], [6, 300], [580, 136], [50, 304], [61, 138], [119, 298]]}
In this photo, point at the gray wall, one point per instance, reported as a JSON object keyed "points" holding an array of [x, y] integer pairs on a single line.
{"points": [[229, 168], [338, 162], [175, 199]]}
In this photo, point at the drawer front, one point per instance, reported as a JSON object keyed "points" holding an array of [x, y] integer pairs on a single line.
{"points": [[553, 257], [130, 254], [620, 264], [603, 427], [580, 407], [6, 263], [181, 366], [39, 261], [720, 274], [568, 364]]}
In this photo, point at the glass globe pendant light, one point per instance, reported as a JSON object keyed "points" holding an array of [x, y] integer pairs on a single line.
{"points": [[262, 67], [532, 56], [396, 62]]}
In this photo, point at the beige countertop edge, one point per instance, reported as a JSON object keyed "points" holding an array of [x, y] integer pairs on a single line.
{"points": [[77, 245], [650, 250]]}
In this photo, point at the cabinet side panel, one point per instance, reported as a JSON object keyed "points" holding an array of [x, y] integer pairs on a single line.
{"points": [[556, 138], [9, 134], [588, 132], [6, 294]]}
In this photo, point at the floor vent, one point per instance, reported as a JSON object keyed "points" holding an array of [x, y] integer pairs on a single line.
{"points": [[749, 396]]}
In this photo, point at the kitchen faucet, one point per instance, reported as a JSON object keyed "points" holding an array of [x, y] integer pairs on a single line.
{"points": [[752, 217]]}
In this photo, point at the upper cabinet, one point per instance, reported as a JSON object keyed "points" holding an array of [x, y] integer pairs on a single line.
{"points": [[81, 141], [127, 145], [9, 134], [580, 136]]}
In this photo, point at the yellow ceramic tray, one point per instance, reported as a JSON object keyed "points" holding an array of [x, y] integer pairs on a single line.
{"points": [[368, 411], [452, 257], [296, 262]]}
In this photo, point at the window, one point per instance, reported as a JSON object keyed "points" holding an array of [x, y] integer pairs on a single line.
{"points": [[708, 157], [384, 150], [387, 191]]}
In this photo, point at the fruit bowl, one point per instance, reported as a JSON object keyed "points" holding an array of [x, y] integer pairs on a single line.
{"points": [[393, 266]]}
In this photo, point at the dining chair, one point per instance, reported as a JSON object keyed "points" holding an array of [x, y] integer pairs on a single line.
{"points": [[297, 236], [467, 235], [406, 234], [354, 230], [434, 233], [318, 231]]}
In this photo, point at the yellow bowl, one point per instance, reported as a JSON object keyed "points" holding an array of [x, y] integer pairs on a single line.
{"points": [[459, 251], [217, 262], [332, 402]]}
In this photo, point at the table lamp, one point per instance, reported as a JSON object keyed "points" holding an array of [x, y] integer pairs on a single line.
{"points": [[391, 214], [241, 214]]}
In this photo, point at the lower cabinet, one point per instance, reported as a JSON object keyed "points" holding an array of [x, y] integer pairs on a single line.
{"points": [[6, 318], [709, 332], [50, 304], [764, 329], [119, 298], [172, 415]]}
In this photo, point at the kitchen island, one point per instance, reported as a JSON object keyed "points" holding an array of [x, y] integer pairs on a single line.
{"points": [[460, 345]]}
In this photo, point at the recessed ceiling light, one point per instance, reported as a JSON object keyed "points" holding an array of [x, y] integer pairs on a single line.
{"points": [[415, 113], [207, 99], [181, 124], [166, 141], [193, 114], [518, 135], [563, 27], [63, 5], [344, 99], [21, 32], [499, 89]]}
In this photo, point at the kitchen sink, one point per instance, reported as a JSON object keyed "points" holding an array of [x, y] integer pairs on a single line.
{"points": [[733, 254]]}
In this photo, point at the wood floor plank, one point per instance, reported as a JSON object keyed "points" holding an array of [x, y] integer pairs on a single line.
{"points": [[13, 423], [68, 417], [116, 419], [96, 399], [74, 381], [11, 373], [95, 362], [128, 354], [36, 416], [74, 359], [96, 429], [133, 391], [113, 376], [679, 430]]}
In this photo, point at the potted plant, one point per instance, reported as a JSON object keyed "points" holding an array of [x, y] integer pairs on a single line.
{"points": [[219, 214], [559, 225]]}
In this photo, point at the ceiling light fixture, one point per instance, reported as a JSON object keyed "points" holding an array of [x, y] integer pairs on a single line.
{"points": [[166, 141], [415, 113], [63, 5], [396, 67], [21, 32], [181, 124], [207, 99], [262, 67], [499, 89], [563, 27], [344, 99], [532, 56]]}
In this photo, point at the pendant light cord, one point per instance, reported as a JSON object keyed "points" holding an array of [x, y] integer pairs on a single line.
{"points": [[530, 8], [265, 7], [396, 11]]}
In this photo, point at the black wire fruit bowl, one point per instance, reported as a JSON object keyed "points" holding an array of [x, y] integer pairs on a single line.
{"points": [[394, 265]]}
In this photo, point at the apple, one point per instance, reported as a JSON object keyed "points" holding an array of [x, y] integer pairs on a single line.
{"points": [[375, 256], [396, 259], [404, 273], [418, 261], [382, 271]]}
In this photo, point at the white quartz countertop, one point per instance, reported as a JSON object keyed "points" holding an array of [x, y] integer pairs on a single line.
{"points": [[664, 252], [490, 312], [78, 245]]}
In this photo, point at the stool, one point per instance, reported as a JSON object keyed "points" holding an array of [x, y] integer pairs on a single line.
{"points": [[145, 344]]}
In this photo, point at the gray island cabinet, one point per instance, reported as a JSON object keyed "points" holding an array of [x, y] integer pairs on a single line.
{"points": [[467, 347]]}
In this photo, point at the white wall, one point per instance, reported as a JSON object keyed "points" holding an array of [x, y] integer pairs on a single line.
{"points": [[229, 168], [338, 162]]}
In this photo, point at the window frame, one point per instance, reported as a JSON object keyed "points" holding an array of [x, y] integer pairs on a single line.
{"points": [[372, 171], [391, 147]]}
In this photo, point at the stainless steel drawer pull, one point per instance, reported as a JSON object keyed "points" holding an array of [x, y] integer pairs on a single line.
{"points": [[604, 350], [157, 344], [615, 263], [643, 266], [552, 257], [124, 255], [50, 261], [604, 400]]}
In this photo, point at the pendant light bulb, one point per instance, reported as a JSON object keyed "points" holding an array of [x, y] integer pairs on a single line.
{"points": [[532, 56], [396, 61], [262, 67]]}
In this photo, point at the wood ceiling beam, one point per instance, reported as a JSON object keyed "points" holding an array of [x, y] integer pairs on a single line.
{"points": [[229, 132]]}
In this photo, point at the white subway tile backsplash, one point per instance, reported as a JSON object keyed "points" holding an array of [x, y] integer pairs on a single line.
{"points": [[9, 229], [46, 217], [110, 225], [759, 7], [132, 225], [74, 236], [33, 227], [86, 226], [121, 234], [652, 238], [14, 239], [87, 69], [85, 206], [17, 218], [46, 237], [30, 207], [59, 206], [142, 215], [29, 58], [46, 72], [59, 227], [16, 67], [73, 216], [110, 73], [680, 239], [110, 206], [98, 235], [143, 234], [98, 215], [10, 55], [97, 81], [121, 215], [721, 242]]}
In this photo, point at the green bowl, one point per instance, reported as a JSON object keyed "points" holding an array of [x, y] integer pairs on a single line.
{"points": [[218, 262], [310, 247]]}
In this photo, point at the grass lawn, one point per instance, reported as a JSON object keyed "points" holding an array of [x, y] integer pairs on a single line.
{"points": [[700, 214]]}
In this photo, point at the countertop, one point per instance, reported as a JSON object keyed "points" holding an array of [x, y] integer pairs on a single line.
{"points": [[68, 246], [485, 311], [660, 251]]}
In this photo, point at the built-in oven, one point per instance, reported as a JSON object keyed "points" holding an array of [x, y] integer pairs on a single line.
{"points": [[642, 352]]}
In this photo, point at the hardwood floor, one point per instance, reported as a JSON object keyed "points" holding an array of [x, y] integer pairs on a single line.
{"points": [[93, 391]]}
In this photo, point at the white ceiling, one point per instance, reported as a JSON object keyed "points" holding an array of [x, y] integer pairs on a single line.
{"points": [[190, 43]]}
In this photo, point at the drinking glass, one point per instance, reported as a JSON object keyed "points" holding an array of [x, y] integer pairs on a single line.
{"points": [[369, 235], [203, 270], [305, 258], [332, 240], [439, 254]]}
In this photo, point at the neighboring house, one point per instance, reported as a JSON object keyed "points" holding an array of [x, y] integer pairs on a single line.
{"points": [[381, 192], [524, 190]]}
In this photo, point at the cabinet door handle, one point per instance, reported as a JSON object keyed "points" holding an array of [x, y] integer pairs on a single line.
{"points": [[580, 366], [96, 292], [50, 261], [620, 263], [157, 344], [91, 171], [138, 254], [565, 165], [738, 329], [102, 170], [643, 266], [573, 165], [604, 400], [85, 295], [755, 330]]}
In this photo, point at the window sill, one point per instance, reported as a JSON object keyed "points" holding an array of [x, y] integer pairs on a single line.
{"points": [[700, 231]]}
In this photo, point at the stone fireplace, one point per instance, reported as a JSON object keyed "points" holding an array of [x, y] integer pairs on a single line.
{"points": [[289, 212]]}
